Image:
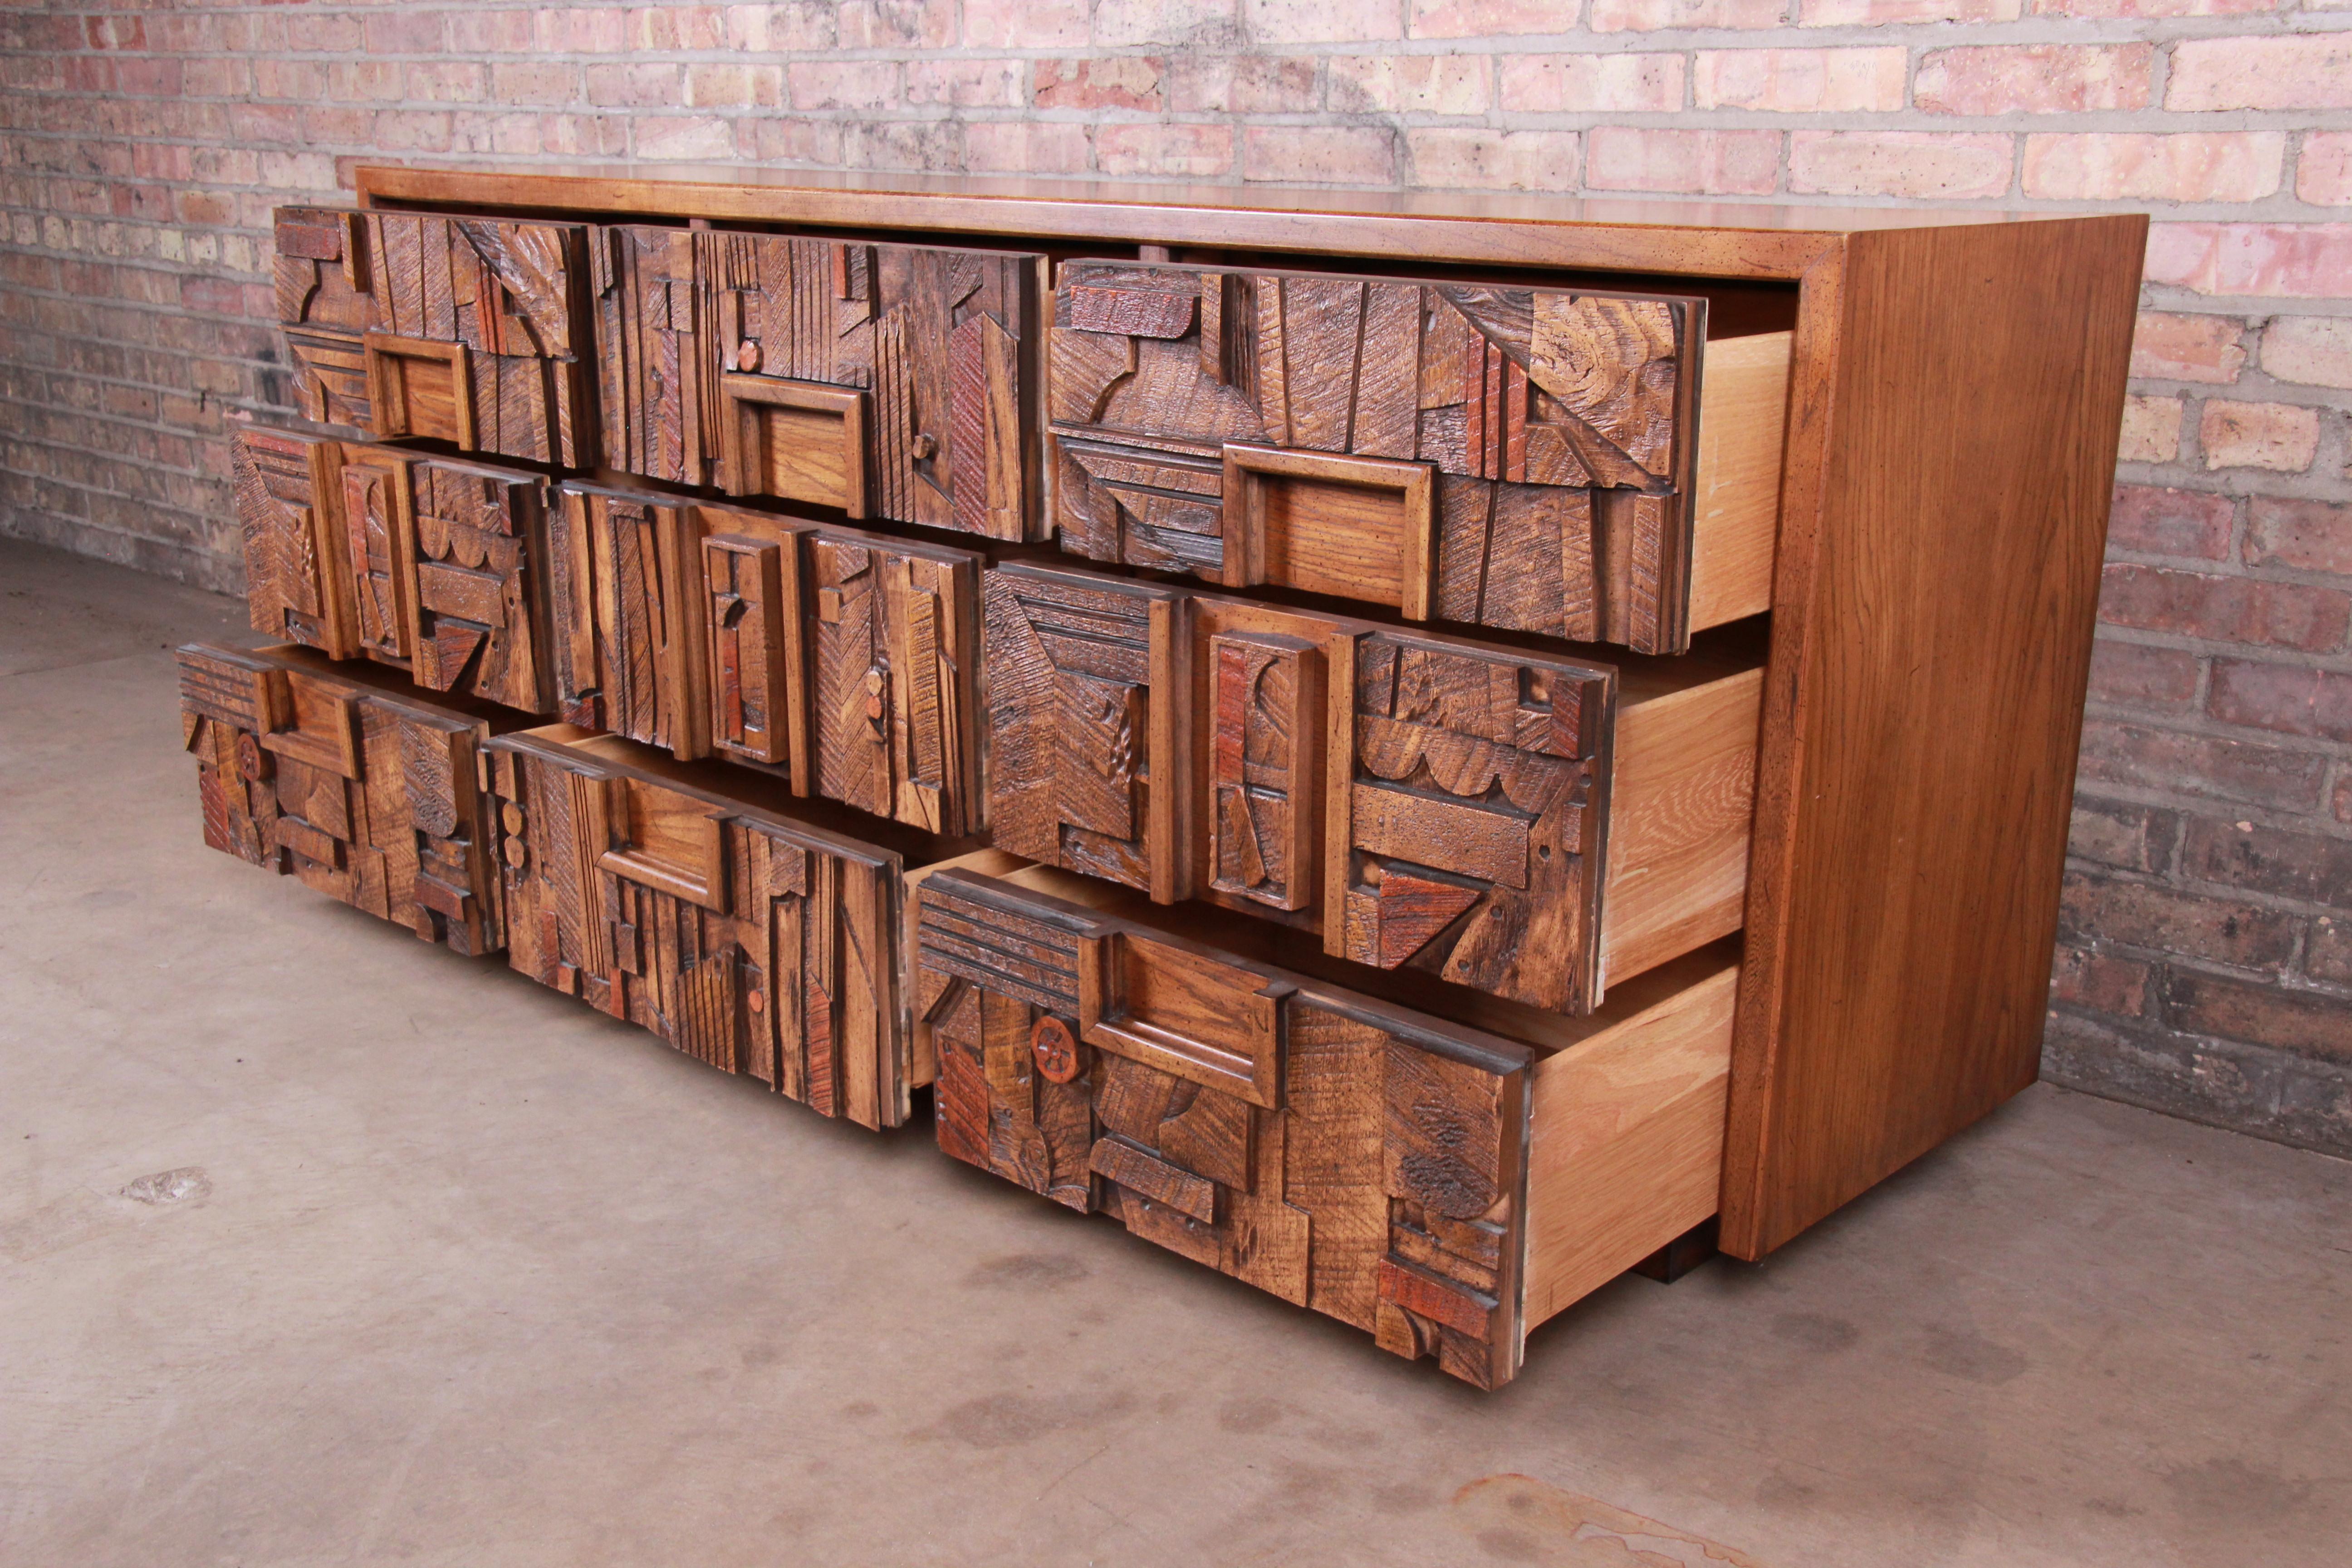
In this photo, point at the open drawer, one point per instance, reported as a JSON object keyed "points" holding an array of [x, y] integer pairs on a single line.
{"points": [[1535, 825], [1444, 1185], [696, 900], [1576, 463]]}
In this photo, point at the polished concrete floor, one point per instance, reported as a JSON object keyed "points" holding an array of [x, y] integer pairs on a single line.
{"points": [[319, 1245]]}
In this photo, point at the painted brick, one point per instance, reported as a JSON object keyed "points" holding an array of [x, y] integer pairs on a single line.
{"points": [[2323, 170], [2101, 983], [1898, 163], [1120, 81], [2219, 930], [2151, 429], [2299, 1022], [1656, 16], [2305, 261], [2316, 351], [2160, 522], [1887, 13], [2122, 833], [1195, 152], [2304, 535], [1711, 163], [2291, 699], [1592, 83], [1409, 84], [1025, 147], [1797, 82], [2167, 346], [2254, 610], [1319, 154], [2220, 166], [2035, 78], [1505, 160], [2306, 71], [1317, 21], [2279, 436], [2138, 674]]}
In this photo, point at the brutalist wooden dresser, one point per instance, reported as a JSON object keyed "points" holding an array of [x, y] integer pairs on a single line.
{"points": [[1419, 752]]}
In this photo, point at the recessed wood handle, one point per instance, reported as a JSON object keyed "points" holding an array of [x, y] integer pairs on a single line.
{"points": [[1327, 523]]}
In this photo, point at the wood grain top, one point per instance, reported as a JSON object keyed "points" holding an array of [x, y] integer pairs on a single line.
{"points": [[1710, 238]]}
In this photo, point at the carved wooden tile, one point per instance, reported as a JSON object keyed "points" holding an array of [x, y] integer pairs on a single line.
{"points": [[473, 330], [843, 660], [760, 945], [1504, 456], [290, 510], [479, 605], [888, 381], [367, 795], [1422, 801], [1345, 1155]]}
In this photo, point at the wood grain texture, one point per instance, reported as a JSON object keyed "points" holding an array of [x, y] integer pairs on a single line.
{"points": [[289, 495], [1372, 1170], [1952, 446], [350, 779], [756, 941]]}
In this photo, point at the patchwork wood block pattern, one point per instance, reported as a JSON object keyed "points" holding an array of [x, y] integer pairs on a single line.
{"points": [[473, 330], [757, 944], [845, 660], [1344, 1154], [366, 793], [1507, 457], [1422, 801], [298, 574]]}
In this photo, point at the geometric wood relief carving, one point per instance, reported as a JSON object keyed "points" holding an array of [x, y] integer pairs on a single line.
{"points": [[1345, 1155], [1504, 457]]}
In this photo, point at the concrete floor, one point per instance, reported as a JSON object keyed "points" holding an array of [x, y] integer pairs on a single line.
{"points": [[452, 1270]]}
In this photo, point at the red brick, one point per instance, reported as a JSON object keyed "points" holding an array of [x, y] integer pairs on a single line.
{"points": [[1025, 147], [2034, 79], [1712, 163], [2316, 351], [2307, 262], [2323, 170], [2294, 700], [1319, 154], [2213, 766], [2253, 610], [2151, 432], [2307, 1024], [790, 28], [1887, 13], [1655, 15], [2219, 167], [2327, 950], [2221, 929], [2152, 7], [645, 86], [2280, 436], [535, 83], [1410, 84], [1015, 24], [1244, 84], [896, 24], [1196, 152], [2160, 521], [403, 32], [2099, 983], [682, 138], [1477, 158], [2304, 535], [665, 29], [1117, 81], [1797, 82], [711, 85], [1483, 18], [1898, 163], [1281, 21], [2311, 70], [584, 30], [967, 83], [1592, 83], [843, 84], [2141, 675], [2171, 347], [2129, 837]]}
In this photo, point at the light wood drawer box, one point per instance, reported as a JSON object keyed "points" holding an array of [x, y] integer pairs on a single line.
{"points": [[346, 776], [1580, 464], [468, 330], [840, 658], [1441, 1183], [434, 565], [696, 901], [1536, 826], [893, 382]]}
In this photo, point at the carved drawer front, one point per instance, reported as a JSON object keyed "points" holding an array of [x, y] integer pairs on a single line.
{"points": [[1422, 801], [472, 331], [1507, 456], [755, 943], [297, 558], [625, 590], [362, 787], [1343, 1155]]}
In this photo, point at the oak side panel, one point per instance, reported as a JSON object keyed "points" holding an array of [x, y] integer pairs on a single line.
{"points": [[1626, 1139], [1951, 455]]}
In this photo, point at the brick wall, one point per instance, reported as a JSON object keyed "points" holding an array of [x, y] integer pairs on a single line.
{"points": [[2207, 959]]}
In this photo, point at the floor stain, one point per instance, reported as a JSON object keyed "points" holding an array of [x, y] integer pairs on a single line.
{"points": [[164, 1188], [2233, 1492], [1815, 1331], [1248, 1415], [1008, 1420], [1518, 1518], [1025, 1269], [1969, 1356]]}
